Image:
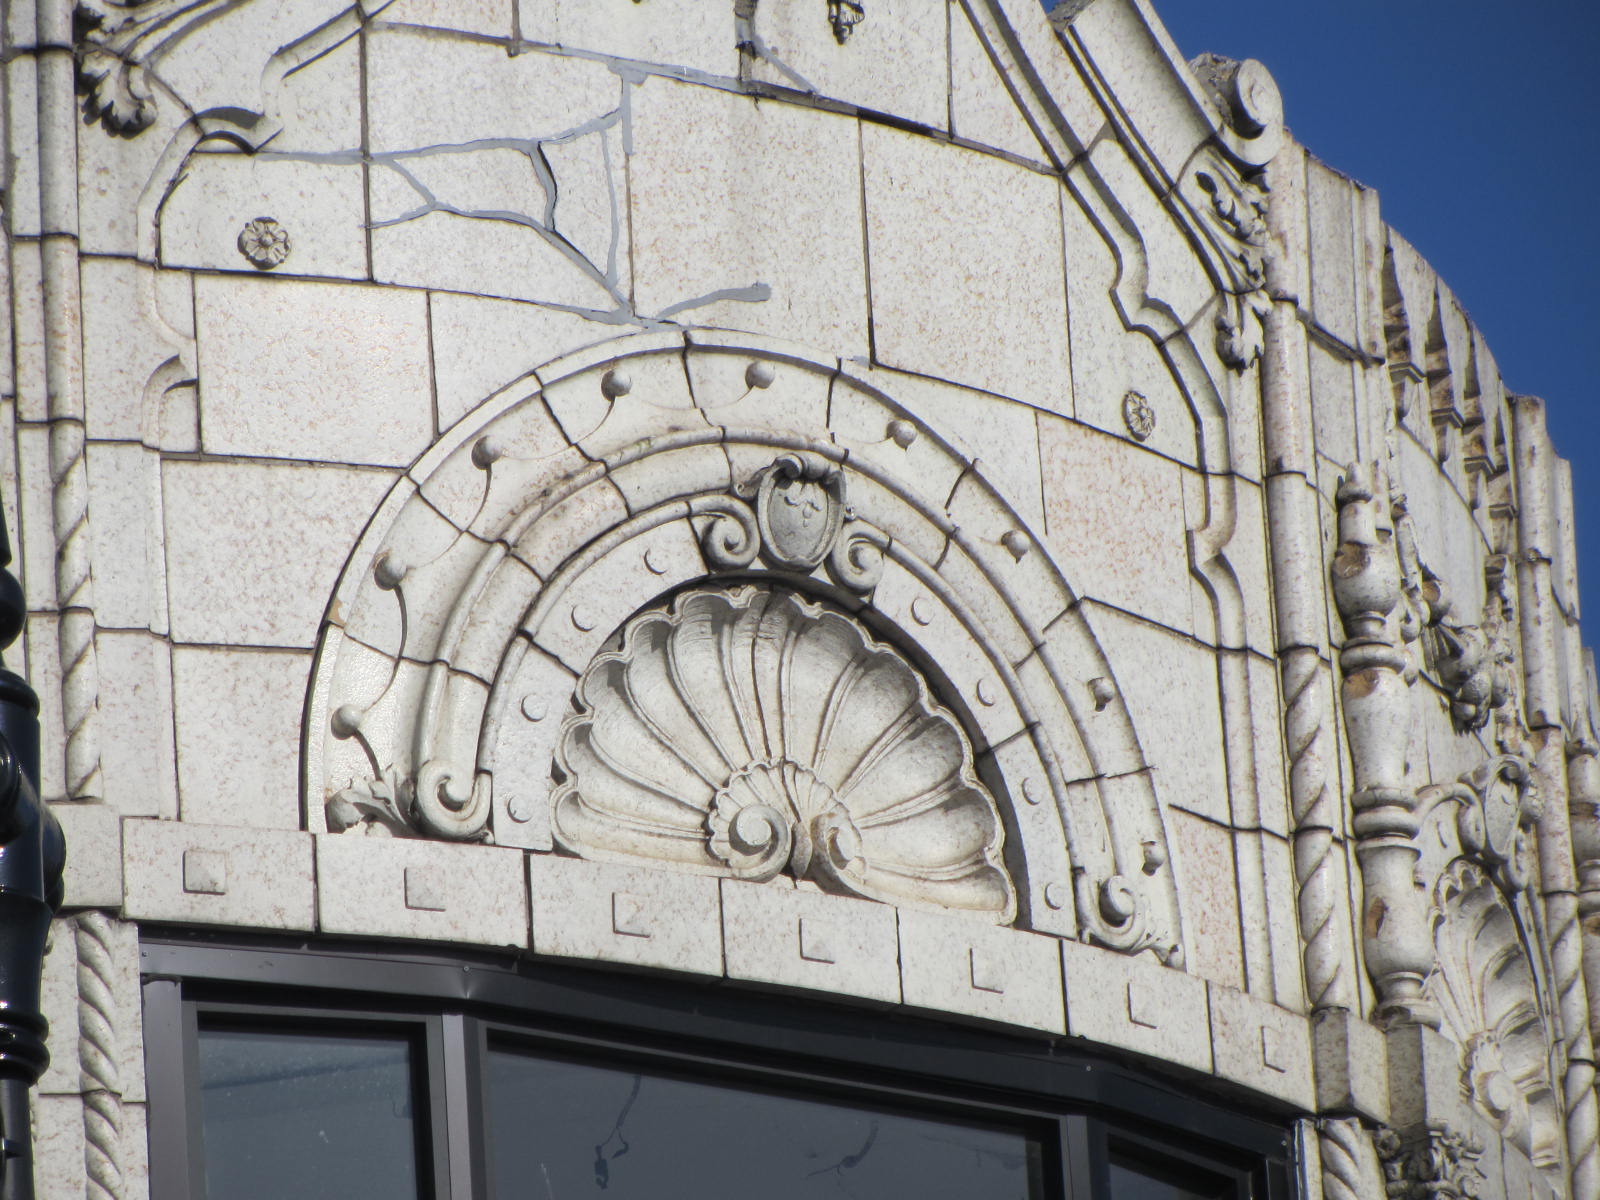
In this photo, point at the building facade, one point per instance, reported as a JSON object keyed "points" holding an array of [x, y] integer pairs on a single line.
{"points": [[896, 597]]}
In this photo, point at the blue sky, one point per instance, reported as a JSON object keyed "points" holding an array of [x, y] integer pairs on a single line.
{"points": [[1479, 124]]}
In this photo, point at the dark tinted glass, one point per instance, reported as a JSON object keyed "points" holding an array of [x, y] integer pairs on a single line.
{"points": [[562, 1131], [1165, 1183], [307, 1116]]}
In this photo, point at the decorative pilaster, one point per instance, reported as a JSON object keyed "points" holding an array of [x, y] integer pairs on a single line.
{"points": [[1295, 534], [1558, 881], [1366, 587]]}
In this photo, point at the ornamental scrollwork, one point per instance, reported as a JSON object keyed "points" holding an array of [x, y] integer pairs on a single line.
{"points": [[1233, 211], [1473, 664], [793, 516]]}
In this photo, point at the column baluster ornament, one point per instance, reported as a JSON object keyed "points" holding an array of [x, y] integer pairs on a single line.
{"points": [[1558, 882], [32, 855], [1366, 588]]}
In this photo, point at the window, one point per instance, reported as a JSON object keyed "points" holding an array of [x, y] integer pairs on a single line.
{"points": [[286, 1071]]}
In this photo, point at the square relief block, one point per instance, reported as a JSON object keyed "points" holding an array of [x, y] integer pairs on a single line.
{"points": [[625, 914], [1262, 1046], [1352, 1065], [421, 889], [777, 934], [1424, 1078], [212, 875], [962, 965], [1136, 1004], [94, 854]]}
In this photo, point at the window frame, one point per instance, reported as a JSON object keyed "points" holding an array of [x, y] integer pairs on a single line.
{"points": [[1080, 1105]]}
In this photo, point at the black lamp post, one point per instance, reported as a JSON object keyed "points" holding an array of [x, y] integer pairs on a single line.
{"points": [[32, 854]]}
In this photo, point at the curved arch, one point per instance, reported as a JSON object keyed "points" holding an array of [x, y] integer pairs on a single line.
{"points": [[492, 575]]}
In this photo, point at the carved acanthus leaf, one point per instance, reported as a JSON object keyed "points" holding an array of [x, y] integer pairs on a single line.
{"points": [[1233, 210], [1435, 1164], [750, 732], [116, 43]]}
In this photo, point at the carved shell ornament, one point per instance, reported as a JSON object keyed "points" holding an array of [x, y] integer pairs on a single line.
{"points": [[1484, 986], [750, 732]]}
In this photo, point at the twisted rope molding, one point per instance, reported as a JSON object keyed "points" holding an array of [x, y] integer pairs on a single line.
{"points": [[99, 1077], [1314, 802], [1349, 1162]]}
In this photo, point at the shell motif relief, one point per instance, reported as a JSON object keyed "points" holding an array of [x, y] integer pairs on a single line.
{"points": [[750, 732]]}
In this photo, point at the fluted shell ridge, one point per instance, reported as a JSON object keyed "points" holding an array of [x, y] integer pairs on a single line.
{"points": [[749, 732]]}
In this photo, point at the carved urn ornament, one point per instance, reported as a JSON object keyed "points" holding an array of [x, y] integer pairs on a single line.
{"points": [[751, 732]]}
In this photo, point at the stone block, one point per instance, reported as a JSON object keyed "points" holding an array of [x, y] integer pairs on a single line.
{"points": [[136, 742], [1136, 57], [129, 553], [962, 965], [1261, 1046], [781, 252], [975, 688], [438, 891], [456, 205], [1282, 921], [262, 878], [1175, 285], [481, 345], [36, 532], [801, 51], [1136, 1004], [520, 753], [44, 673], [148, 320], [750, 381], [1352, 1065], [999, 436], [966, 266], [683, 34], [625, 914], [1169, 685], [777, 934], [982, 108], [1424, 1078], [1207, 876], [320, 205], [1335, 274], [1036, 846], [1115, 520], [574, 625], [237, 715], [491, 17], [1115, 368], [58, 1000], [254, 549], [58, 1145], [93, 876], [313, 370]]}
